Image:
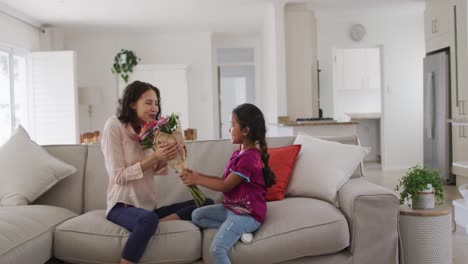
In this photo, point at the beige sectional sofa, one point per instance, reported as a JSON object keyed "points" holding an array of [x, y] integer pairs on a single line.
{"points": [[68, 221]]}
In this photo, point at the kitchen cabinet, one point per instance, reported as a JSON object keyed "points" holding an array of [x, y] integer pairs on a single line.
{"points": [[439, 24], [460, 90], [446, 27]]}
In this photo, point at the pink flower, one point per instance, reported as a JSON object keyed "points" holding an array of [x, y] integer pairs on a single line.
{"points": [[163, 121], [146, 130], [142, 137]]}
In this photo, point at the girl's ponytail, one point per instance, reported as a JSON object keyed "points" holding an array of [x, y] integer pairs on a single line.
{"points": [[268, 175]]}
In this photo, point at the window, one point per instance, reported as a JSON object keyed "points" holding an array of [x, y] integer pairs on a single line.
{"points": [[13, 91]]}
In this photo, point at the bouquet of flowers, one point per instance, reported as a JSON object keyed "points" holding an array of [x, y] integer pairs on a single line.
{"points": [[168, 130]]}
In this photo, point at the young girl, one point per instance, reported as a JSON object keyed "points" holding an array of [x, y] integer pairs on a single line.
{"points": [[244, 185], [131, 196]]}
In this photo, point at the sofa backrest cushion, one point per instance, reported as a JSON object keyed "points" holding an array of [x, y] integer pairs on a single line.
{"points": [[351, 140], [96, 180], [322, 167], [209, 157], [68, 193]]}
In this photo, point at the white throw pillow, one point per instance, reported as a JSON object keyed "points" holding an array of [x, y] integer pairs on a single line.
{"points": [[322, 167], [27, 170]]}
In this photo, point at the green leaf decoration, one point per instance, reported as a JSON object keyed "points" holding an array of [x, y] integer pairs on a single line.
{"points": [[124, 66]]}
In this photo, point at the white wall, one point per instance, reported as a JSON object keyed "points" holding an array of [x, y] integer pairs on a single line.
{"points": [[401, 33], [16, 34], [95, 56]]}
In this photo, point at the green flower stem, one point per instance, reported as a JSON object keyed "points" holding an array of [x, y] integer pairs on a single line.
{"points": [[198, 196]]}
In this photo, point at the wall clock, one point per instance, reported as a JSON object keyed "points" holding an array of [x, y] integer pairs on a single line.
{"points": [[357, 32]]}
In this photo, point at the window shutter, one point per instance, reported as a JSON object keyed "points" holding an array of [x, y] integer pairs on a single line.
{"points": [[54, 103]]}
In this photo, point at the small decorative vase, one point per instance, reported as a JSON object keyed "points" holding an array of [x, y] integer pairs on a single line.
{"points": [[426, 199]]}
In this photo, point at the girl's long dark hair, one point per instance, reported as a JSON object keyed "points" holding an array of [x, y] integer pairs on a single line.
{"points": [[248, 115], [131, 94]]}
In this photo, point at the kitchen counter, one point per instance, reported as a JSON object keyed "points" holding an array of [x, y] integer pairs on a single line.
{"points": [[313, 128], [315, 123], [368, 132], [364, 115]]}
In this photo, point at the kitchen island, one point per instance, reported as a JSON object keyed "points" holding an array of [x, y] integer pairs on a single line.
{"points": [[312, 128]]}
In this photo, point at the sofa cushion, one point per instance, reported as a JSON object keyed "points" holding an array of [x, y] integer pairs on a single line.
{"points": [[96, 180], [322, 167], [350, 140], [282, 162], [26, 232], [274, 142], [68, 193], [91, 238], [294, 228], [27, 170]]}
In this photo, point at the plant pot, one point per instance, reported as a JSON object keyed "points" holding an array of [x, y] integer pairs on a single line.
{"points": [[426, 200]]}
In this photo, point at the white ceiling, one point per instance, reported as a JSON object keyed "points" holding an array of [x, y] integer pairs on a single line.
{"points": [[222, 16], [201, 15]]}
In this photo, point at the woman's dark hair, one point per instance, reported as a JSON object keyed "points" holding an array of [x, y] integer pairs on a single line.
{"points": [[131, 94], [248, 115]]}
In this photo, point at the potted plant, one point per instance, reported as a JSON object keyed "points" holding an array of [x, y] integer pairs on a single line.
{"points": [[422, 186]]}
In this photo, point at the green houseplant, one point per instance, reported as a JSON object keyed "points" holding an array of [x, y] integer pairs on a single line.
{"points": [[420, 181], [124, 62]]}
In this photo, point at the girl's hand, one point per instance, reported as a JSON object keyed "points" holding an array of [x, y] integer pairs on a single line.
{"points": [[189, 177], [166, 152]]}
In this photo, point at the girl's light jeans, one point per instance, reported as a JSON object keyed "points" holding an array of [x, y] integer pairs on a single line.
{"points": [[231, 227]]}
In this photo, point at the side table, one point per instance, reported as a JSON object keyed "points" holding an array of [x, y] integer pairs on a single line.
{"points": [[426, 235]]}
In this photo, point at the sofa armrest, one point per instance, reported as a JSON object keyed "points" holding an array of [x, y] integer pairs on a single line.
{"points": [[372, 213]]}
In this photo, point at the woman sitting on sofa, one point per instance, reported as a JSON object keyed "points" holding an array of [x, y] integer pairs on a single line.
{"points": [[131, 196]]}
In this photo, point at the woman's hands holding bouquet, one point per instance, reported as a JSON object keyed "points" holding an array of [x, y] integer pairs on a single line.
{"points": [[166, 151]]}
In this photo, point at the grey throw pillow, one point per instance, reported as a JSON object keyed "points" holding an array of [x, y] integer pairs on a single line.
{"points": [[27, 170]]}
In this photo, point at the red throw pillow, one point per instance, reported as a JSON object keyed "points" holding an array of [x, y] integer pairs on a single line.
{"points": [[282, 162]]}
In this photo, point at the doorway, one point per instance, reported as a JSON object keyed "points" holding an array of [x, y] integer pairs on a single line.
{"points": [[358, 95], [236, 83]]}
